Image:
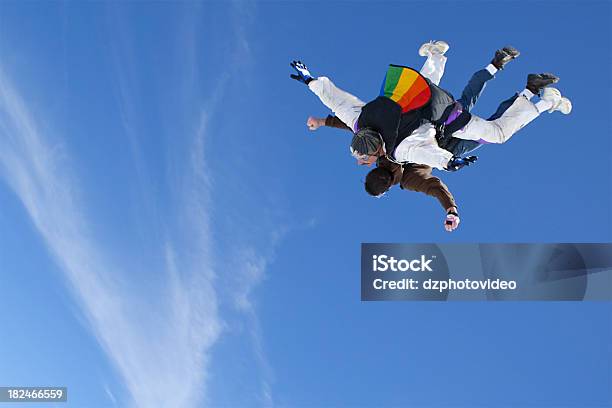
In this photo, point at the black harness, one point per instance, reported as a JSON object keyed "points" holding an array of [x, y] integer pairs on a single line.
{"points": [[444, 133]]}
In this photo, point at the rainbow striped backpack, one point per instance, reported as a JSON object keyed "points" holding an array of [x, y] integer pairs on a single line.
{"points": [[405, 86]]}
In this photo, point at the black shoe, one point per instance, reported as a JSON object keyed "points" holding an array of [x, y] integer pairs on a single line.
{"points": [[535, 82], [504, 55]]}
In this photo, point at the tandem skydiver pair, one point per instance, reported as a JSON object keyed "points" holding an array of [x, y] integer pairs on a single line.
{"points": [[414, 124]]}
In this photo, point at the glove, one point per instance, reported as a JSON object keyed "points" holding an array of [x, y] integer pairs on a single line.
{"points": [[457, 163], [303, 73], [452, 221]]}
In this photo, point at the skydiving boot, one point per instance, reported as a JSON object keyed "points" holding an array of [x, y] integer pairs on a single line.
{"points": [[558, 102], [504, 55], [535, 82], [433, 47]]}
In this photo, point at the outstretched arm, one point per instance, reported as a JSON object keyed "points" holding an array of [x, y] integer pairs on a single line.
{"points": [[345, 106], [418, 178], [314, 123]]}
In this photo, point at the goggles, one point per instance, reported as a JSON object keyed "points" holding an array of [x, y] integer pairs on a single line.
{"points": [[359, 156]]}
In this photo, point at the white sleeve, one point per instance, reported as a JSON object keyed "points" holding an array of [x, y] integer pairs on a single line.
{"points": [[421, 147], [345, 106]]}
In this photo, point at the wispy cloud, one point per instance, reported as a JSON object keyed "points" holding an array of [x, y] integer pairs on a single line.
{"points": [[254, 252], [185, 322], [161, 341], [251, 268], [110, 395]]}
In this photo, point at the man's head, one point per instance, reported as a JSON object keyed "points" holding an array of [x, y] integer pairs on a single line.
{"points": [[367, 146], [378, 181]]}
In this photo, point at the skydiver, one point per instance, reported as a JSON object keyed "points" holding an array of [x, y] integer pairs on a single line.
{"points": [[376, 123], [413, 177], [417, 177]]}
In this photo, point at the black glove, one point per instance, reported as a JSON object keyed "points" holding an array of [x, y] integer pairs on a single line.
{"points": [[457, 163], [303, 73]]}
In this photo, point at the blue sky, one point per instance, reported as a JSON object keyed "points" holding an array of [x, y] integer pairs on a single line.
{"points": [[173, 235]]}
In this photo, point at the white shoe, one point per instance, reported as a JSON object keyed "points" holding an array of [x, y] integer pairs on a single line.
{"points": [[433, 47], [558, 102], [565, 106], [553, 96]]}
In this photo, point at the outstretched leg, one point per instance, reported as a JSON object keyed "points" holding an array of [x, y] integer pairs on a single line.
{"points": [[433, 69], [470, 95], [520, 113], [472, 92], [461, 147], [535, 84], [500, 130], [505, 105], [475, 87]]}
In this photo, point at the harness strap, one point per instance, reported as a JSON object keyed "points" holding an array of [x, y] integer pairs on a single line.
{"points": [[444, 131]]}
